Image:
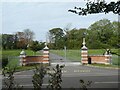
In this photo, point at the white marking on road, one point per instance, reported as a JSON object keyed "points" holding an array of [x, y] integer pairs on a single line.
{"points": [[66, 63], [26, 85], [64, 71], [81, 70], [23, 71], [83, 74], [44, 84], [23, 75], [107, 82]]}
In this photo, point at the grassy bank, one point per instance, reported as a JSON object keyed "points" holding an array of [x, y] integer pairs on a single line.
{"points": [[75, 55], [103, 65], [17, 52], [13, 57]]}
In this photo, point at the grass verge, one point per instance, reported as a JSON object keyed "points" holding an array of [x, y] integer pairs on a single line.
{"points": [[103, 65], [13, 58], [75, 55]]}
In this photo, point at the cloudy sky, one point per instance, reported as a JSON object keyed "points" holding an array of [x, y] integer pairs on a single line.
{"points": [[40, 17]]}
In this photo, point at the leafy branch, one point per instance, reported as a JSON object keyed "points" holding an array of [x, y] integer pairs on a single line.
{"points": [[38, 76], [84, 85], [9, 82], [97, 7], [56, 78]]}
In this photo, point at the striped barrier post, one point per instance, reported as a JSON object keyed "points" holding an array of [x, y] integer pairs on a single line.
{"points": [[84, 53], [46, 54], [108, 57], [22, 58]]}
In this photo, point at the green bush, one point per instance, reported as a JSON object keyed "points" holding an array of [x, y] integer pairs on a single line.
{"points": [[4, 61]]}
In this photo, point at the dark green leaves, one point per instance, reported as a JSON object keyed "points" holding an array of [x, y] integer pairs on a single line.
{"points": [[56, 78], [38, 76], [98, 7]]}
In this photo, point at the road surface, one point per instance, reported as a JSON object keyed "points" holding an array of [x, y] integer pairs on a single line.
{"points": [[100, 77]]}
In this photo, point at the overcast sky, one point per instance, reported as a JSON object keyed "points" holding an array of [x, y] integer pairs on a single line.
{"points": [[40, 17]]}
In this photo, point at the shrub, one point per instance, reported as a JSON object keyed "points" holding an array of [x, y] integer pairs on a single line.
{"points": [[56, 78], [38, 77], [9, 82], [4, 62]]}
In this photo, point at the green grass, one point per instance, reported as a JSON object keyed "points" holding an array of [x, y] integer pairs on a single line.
{"points": [[75, 55], [24, 68], [103, 65], [17, 52], [13, 57], [13, 61], [115, 60], [96, 51], [29, 67], [99, 51]]}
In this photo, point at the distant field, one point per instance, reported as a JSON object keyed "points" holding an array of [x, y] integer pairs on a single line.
{"points": [[13, 56], [15, 52], [75, 55]]}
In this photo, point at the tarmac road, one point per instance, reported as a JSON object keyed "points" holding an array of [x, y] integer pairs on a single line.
{"points": [[100, 77]]}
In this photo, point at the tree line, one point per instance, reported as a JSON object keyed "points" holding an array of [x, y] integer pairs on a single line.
{"points": [[21, 40], [101, 34]]}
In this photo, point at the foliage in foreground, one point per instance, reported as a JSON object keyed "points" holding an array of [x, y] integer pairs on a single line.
{"points": [[9, 82], [97, 7], [4, 62], [84, 84], [39, 74], [56, 78]]}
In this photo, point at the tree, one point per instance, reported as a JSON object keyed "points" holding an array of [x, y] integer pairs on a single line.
{"points": [[24, 38], [9, 41], [104, 30], [18, 40], [29, 35], [74, 38], [36, 46], [102, 34], [21, 42], [98, 7], [115, 38], [56, 37]]}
